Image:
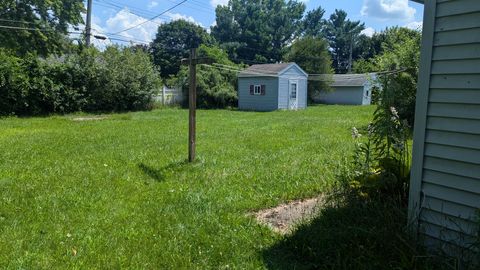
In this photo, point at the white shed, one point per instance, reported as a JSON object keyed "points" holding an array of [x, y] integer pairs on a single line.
{"points": [[271, 87], [349, 89]]}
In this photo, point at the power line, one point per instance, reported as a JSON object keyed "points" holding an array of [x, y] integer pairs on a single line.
{"points": [[17, 21], [249, 72], [33, 29], [130, 9], [151, 19], [71, 32], [131, 40]]}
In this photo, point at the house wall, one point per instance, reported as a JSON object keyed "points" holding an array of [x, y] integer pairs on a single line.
{"points": [[351, 95], [268, 102], [445, 179], [293, 73]]}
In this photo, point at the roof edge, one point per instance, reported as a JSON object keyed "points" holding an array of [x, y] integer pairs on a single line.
{"points": [[289, 66]]}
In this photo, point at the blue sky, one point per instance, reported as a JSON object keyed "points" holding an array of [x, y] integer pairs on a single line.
{"points": [[112, 16]]}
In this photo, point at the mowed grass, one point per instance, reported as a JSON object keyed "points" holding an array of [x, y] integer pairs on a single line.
{"points": [[117, 193]]}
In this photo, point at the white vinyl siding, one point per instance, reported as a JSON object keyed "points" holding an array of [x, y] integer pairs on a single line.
{"points": [[445, 184]]}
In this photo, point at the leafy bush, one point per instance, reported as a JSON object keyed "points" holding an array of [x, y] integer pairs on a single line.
{"points": [[114, 80], [13, 83], [401, 60], [216, 85], [382, 161]]}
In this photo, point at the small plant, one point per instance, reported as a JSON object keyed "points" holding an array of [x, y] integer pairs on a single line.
{"points": [[382, 160]]}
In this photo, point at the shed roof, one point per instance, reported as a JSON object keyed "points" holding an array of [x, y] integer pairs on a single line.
{"points": [[349, 79], [268, 70]]}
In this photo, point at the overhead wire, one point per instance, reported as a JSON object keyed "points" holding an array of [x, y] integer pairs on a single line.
{"points": [[17, 21], [130, 9], [33, 29], [152, 18], [249, 72]]}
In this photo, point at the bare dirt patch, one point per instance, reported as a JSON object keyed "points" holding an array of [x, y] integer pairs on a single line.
{"points": [[89, 118], [285, 217]]}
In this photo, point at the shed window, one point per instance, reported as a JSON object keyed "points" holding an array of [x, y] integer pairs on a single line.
{"points": [[257, 90], [293, 92]]}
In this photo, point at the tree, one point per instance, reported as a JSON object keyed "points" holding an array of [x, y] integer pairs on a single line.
{"points": [[216, 85], [401, 58], [312, 55], [258, 29], [378, 44], [173, 42], [342, 35], [49, 19], [314, 24], [369, 47]]}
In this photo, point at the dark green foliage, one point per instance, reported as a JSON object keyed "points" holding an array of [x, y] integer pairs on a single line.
{"points": [[114, 80], [313, 24], [52, 18], [13, 81], [341, 33], [312, 55], [173, 42], [400, 55], [216, 85], [261, 29]]}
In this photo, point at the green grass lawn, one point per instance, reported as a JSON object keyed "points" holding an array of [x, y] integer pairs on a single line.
{"points": [[117, 193]]}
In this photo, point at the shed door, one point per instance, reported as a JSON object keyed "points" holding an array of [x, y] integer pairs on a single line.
{"points": [[293, 95]]}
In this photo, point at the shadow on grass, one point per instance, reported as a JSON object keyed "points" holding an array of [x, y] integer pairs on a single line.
{"points": [[160, 175], [355, 236]]}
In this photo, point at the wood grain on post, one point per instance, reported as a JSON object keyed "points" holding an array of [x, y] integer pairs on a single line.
{"points": [[192, 101]]}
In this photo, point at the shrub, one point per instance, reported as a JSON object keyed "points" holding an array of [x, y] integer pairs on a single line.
{"points": [[13, 83], [216, 86], [400, 59], [118, 79]]}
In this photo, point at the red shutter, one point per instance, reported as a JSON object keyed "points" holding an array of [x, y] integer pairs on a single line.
{"points": [[263, 89], [251, 89]]}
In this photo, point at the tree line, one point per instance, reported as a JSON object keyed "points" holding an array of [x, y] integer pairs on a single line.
{"points": [[246, 32]]}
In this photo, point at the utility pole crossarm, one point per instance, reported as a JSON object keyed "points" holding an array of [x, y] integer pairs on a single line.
{"points": [[197, 61]]}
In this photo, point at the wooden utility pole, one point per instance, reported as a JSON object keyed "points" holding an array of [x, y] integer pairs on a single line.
{"points": [[88, 27], [192, 106], [192, 63]]}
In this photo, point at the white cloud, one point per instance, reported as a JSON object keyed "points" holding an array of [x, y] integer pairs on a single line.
{"points": [[152, 4], [415, 25], [388, 9], [215, 3], [178, 16], [369, 31], [124, 20]]}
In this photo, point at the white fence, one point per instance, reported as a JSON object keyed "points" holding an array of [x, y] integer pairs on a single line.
{"points": [[170, 96]]}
